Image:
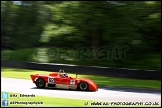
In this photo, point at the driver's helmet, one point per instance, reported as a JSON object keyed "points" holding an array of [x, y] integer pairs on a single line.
{"points": [[62, 73], [61, 70]]}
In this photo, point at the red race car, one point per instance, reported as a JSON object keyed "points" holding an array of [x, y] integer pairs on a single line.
{"points": [[62, 80]]}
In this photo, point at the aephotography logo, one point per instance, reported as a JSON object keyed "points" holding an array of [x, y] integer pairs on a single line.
{"points": [[80, 53]]}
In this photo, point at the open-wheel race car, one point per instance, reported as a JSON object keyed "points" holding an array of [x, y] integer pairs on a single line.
{"points": [[62, 80]]}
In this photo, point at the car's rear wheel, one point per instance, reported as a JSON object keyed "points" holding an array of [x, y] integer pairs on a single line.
{"points": [[83, 86], [40, 83]]}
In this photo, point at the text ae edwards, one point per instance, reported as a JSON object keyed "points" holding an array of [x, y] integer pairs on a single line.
{"points": [[22, 95]]}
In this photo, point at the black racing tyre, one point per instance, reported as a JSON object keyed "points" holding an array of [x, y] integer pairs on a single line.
{"points": [[83, 86], [40, 83]]}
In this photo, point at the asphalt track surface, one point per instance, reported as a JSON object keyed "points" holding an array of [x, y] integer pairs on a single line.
{"points": [[105, 94]]}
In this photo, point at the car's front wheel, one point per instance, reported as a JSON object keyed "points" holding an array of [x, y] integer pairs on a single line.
{"points": [[40, 83], [83, 86]]}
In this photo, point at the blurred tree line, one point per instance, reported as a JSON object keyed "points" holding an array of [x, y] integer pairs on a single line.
{"points": [[35, 24]]}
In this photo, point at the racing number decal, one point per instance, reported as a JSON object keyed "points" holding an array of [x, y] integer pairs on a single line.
{"points": [[51, 80], [72, 81]]}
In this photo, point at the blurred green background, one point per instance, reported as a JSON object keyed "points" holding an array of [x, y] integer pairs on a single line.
{"points": [[83, 33]]}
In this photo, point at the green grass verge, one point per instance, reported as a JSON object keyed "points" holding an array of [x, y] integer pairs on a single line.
{"points": [[99, 80]]}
